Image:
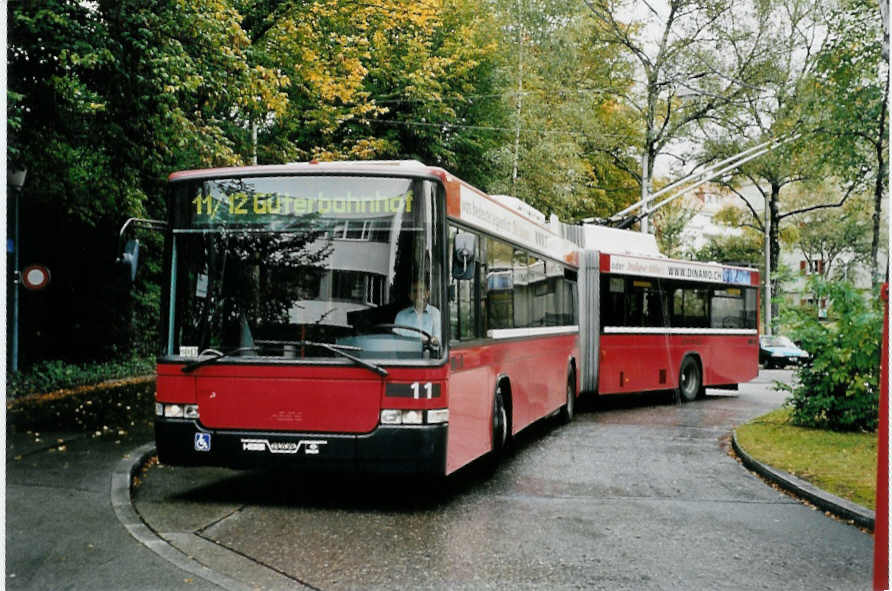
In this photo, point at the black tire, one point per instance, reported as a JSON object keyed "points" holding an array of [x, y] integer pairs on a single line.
{"points": [[501, 427], [690, 380], [568, 411]]}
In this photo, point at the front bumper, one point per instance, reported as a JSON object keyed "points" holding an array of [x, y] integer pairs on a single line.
{"points": [[387, 449]]}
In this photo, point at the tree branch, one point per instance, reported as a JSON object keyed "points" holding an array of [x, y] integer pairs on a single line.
{"points": [[841, 202]]}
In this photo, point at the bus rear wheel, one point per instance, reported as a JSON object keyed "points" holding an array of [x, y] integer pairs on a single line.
{"points": [[690, 380]]}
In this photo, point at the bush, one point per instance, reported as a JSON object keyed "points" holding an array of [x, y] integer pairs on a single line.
{"points": [[114, 408], [838, 389], [48, 376]]}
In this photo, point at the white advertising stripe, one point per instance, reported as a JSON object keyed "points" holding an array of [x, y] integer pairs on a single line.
{"points": [[512, 333], [490, 216], [669, 269], [662, 330]]}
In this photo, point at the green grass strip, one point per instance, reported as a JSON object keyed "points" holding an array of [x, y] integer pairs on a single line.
{"points": [[843, 464]]}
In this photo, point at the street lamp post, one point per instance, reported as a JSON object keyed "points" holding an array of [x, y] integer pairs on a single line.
{"points": [[15, 179]]}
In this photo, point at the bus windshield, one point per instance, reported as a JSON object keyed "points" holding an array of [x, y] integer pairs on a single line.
{"points": [[306, 267]]}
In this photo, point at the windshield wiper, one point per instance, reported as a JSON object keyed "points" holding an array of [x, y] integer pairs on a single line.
{"points": [[342, 351], [217, 355], [336, 349]]}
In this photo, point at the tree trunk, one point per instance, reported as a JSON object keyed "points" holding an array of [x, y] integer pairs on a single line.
{"points": [[878, 190], [774, 241], [773, 233]]}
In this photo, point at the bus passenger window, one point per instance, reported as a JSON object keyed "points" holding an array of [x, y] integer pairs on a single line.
{"points": [[538, 290], [553, 303], [726, 308], [570, 299], [521, 282], [613, 302], [479, 303], [751, 305], [653, 306], [639, 304], [499, 284], [689, 308]]}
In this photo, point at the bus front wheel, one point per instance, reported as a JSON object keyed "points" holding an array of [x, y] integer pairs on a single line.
{"points": [[568, 411], [499, 423], [690, 380]]}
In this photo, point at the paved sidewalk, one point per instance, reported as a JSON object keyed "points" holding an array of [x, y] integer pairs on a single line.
{"points": [[61, 529]]}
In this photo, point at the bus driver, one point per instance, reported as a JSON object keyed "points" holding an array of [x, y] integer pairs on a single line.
{"points": [[420, 314]]}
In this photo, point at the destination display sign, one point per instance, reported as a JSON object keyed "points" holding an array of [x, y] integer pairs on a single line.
{"points": [[241, 206], [672, 269], [265, 199]]}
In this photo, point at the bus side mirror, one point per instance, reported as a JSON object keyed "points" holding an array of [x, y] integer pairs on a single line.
{"points": [[129, 259], [464, 248]]}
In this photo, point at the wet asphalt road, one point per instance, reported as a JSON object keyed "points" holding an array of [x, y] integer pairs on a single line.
{"points": [[636, 493]]}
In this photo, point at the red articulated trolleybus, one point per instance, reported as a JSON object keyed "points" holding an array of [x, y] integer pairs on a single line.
{"points": [[380, 316], [654, 323]]}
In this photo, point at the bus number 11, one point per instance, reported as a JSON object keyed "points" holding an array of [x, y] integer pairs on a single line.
{"points": [[428, 390]]}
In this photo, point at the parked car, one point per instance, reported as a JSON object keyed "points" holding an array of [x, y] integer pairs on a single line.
{"points": [[780, 351]]}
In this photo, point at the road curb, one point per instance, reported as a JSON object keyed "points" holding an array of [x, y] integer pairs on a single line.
{"points": [[121, 479], [842, 508]]}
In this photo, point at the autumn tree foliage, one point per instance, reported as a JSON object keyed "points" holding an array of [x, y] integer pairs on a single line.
{"points": [[107, 98], [554, 101], [382, 79]]}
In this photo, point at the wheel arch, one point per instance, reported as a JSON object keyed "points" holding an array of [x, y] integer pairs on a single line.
{"points": [[695, 355]]}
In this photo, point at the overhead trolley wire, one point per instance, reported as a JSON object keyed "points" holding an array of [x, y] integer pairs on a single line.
{"points": [[446, 125]]}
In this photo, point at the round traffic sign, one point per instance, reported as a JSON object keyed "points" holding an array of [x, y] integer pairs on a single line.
{"points": [[35, 277]]}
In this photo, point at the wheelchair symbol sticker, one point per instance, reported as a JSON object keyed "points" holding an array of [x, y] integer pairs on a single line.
{"points": [[203, 442]]}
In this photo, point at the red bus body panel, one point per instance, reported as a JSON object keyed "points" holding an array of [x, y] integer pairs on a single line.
{"points": [[537, 370], [292, 398], [640, 362], [349, 400]]}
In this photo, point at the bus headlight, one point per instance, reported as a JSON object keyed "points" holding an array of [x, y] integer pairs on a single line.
{"points": [[176, 411], [391, 417], [414, 417], [435, 417], [173, 411]]}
